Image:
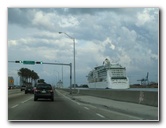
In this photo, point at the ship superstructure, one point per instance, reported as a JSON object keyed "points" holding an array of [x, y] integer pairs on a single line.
{"points": [[109, 75]]}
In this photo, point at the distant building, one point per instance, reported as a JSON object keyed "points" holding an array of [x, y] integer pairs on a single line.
{"points": [[59, 84], [10, 81]]}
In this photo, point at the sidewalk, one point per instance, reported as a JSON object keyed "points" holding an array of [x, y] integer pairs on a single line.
{"points": [[147, 112]]}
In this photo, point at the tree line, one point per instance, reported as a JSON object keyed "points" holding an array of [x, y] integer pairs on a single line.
{"points": [[28, 76]]}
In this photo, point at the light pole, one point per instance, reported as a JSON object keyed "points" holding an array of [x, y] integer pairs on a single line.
{"points": [[73, 54], [58, 74]]}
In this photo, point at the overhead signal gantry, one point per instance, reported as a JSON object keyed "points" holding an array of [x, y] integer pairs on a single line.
{"points": [[40, 62]]}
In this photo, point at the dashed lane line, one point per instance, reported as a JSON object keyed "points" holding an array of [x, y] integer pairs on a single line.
{"points": [[26, 100], [100, 115], [14, 106], [68, 98], [86, 108], [22, 102]]}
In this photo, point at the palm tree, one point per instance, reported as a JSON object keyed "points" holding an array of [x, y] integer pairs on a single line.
{"points": [[34, 76], [22, 73], [28, 75]]}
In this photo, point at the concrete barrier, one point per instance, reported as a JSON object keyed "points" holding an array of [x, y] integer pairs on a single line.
{"points": [[139, 97]]}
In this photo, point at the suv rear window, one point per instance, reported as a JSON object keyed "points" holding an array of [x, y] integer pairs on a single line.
{"points": [[29, 87], [45, 86]]}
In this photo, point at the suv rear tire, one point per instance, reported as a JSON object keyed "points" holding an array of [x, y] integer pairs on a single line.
{"points": [[35, 98], [52, 98]]}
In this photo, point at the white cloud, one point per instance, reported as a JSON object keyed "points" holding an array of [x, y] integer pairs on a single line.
{"points": [[68, 21], [42, 19], [152, 55], [145, 16], [12, 43], [108, 42]]}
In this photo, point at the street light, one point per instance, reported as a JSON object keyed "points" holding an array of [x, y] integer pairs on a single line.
{"points": [[73, 53], [58, 74]]}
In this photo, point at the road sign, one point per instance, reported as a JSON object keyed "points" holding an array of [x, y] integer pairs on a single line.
{"points": [[11, 81], [28, 62]]}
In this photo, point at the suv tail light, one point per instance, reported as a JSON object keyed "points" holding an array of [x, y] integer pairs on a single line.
{"points": [[51, 90]]}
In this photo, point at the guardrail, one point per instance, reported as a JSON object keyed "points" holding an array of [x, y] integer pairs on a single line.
{"points": [[139, 97]]}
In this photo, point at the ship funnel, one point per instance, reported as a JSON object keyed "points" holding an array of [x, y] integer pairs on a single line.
{"points": [[107, 62]]}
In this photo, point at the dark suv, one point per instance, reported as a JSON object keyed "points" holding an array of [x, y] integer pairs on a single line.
{"points": [[44, 91]]}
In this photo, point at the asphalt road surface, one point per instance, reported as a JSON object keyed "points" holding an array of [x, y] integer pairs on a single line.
{"points": [[22, 107]]}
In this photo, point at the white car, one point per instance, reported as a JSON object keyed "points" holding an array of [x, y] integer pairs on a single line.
{"points": [[23, 87]]}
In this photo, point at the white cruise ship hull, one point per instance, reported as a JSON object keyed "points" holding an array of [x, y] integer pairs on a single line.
{"points": [[111, 83], [98, 85], [114, 85]]}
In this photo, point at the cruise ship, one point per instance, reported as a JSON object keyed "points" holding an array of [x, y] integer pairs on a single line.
{"points": [[109, 76]]}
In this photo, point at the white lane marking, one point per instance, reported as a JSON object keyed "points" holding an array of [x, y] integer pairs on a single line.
{"points": [[68, 98], [78, 103], [14, 106], [26, 100], [71, 99], [100, 115], [86, 108]]}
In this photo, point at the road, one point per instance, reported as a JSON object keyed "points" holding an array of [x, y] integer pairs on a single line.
{"points": [[22, 107]]}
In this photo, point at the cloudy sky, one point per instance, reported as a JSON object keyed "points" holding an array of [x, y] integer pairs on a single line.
{"points": [[128, 36]]}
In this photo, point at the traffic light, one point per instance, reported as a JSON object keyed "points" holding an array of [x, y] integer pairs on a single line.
{"points": [[18, 61], [39, 62]]}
